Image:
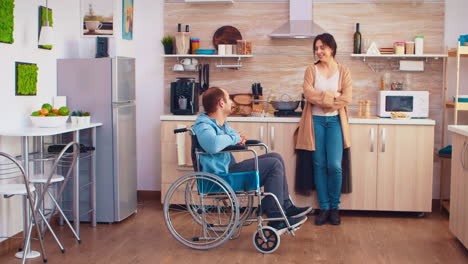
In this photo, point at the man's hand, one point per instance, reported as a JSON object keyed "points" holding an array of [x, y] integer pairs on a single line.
{"points": [[337, 94], [243, 138]]}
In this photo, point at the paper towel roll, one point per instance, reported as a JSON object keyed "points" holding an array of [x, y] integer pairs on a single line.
{"points": [[180, 143]]}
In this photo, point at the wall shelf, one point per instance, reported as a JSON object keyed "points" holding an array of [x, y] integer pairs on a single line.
{"points": [[389, 56], [205, 56], [220, 65], [209, 1]]}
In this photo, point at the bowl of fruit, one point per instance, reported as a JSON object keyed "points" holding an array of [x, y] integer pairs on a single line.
{"points": [[50, 117]]}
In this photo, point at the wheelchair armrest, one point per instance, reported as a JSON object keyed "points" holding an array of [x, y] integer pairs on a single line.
{"points": [[252, 142], [234, 147]]}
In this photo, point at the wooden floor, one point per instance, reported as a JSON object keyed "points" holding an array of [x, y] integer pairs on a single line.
{"points": [[363, 237]]}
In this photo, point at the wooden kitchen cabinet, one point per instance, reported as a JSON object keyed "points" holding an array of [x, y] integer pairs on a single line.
{"points": [[363, 169], [279, 137], [405, 164], [170, 170], [391, 168], [458, 221]]}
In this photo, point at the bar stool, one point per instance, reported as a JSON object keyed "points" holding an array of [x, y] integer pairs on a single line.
{"points": [[13, 172], [59, 174]]}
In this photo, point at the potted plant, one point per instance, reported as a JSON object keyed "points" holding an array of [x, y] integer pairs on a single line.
{"points": [[80, 118], [168, 43]]}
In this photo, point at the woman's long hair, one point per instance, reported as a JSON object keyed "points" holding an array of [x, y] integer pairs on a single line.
{"points": [[328, 40]]}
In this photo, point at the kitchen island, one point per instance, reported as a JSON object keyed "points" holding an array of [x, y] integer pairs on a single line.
{"points": [[391, 160]]}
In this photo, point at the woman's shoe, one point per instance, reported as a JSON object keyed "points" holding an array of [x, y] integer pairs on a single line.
{"points": [[335, 217], [322, 217]]}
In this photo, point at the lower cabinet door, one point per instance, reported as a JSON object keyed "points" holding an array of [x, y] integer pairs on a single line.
{"points": [[364, 141], [405, 165]]}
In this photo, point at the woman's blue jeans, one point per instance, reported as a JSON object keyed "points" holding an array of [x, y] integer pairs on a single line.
{"points": [[327, 160]]}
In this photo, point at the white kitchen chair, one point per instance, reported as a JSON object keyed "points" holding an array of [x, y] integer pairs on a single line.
{"points": [[58, 174], [14, 181]]}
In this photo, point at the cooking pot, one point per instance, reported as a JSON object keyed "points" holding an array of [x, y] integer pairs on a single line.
{"points": [[285, 105]]}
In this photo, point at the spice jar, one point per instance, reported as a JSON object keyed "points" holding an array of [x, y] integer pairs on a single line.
{"points": [[399, 48], [419, 45], [244, 47], [409, 47], [195, 44]]}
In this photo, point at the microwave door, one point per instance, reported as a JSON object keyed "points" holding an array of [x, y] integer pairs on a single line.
{"points": [[399, 103]]}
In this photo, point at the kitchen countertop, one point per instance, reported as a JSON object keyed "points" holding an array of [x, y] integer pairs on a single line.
{"points": [[381, 121], [462, 130]]}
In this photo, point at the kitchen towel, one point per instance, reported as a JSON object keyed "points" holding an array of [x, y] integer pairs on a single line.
{"points": [[180, 143]]}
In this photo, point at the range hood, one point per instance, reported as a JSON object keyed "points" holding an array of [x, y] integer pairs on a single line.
{"points": [[300, 24]]}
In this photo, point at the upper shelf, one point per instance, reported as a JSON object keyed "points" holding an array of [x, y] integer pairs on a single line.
{"points": [[400, 56], [205, 56], [209, 1], [463, 51]]}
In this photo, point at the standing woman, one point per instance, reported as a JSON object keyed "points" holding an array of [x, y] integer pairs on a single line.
{"points": [[324, 127]]}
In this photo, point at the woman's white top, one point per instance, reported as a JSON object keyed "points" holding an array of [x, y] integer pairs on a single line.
{"points": [[323, 84]]}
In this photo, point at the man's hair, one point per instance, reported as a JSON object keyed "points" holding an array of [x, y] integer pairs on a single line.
{"points": [[211, 98]]}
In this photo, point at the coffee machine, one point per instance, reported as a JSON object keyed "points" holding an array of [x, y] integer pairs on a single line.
{"points": [[184, 96]]}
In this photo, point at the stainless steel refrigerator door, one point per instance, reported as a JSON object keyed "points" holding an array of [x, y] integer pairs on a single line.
{"points": [[125, 159], [123, 74]]}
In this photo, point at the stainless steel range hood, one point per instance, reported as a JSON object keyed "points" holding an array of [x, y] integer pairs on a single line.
{"points": [[300, 24]]}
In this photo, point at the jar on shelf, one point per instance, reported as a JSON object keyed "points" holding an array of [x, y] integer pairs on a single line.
{"points": [[419, 45], [409, 47], [195, 44], [244, 47], [399, 48]]}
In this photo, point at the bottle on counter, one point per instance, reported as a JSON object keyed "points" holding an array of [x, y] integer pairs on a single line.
{"points": [[357, 40], [419, 45]]}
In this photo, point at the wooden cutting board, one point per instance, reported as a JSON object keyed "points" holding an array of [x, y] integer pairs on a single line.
{"points": [[226, 35]]}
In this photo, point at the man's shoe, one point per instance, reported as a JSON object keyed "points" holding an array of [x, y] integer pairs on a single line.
{"points": [[322, 217], [281, 226], [335, 217], [295, 212]]}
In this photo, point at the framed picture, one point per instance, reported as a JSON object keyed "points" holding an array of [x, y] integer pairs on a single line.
{"points": [[97, 18], [43, 17], [26, 78], [7, 20], [127, 19]]}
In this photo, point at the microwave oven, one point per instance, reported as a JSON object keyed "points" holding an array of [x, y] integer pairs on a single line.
{"points": [[412, 103]]}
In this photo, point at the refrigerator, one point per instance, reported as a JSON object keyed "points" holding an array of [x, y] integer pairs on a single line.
{"points": [[105, 87]]}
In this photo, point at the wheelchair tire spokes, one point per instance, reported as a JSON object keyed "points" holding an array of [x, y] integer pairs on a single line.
{"points": [[201, 219]]}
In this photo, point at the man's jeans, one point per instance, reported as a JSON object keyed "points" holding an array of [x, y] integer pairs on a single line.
{"points": [[272, 177], [327, 160]]}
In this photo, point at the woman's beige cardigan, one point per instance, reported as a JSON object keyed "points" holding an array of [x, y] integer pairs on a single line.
{"points": [[326, 99]]}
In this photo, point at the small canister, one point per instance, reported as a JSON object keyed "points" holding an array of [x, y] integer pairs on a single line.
{"points": [[399, 48], [409, 47], [419, 45]]}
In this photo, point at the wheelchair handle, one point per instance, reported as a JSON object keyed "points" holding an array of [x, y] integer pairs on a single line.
{"points": [[180, 130]]}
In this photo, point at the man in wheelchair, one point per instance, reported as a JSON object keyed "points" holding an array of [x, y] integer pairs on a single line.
{"points": [[214, 134]]}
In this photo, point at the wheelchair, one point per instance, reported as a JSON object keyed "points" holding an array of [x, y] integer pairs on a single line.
{"points": [[203, 210]]}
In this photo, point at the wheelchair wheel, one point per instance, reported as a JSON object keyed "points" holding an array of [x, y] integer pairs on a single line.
{"points": [[201, 219], [267, 240]]}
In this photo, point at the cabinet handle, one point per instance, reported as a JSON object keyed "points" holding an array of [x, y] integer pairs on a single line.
{"points": [[261, 134], [462, 156], [384, 136], [272, 138], [372, 138]]}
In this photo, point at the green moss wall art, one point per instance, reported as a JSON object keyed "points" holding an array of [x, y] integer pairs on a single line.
{"points": [[7, 20], [26, 78], [42, 20]]}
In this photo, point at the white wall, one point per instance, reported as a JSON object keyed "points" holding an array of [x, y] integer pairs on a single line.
{"points": [[69, 44], [150, 102]]}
